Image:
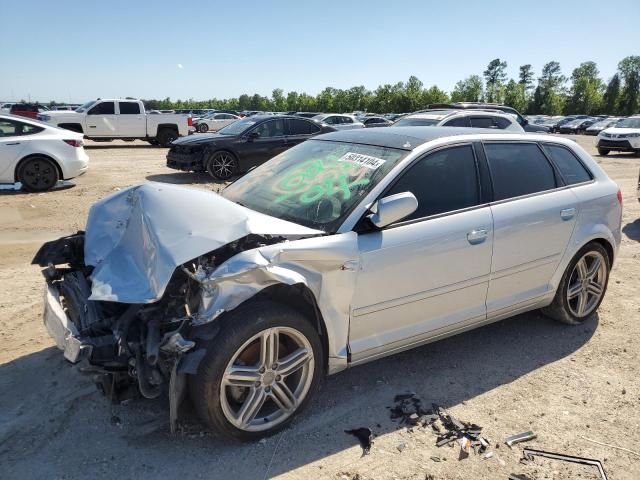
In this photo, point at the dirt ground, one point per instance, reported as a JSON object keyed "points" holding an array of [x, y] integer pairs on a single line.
{"points": [[525, 373]]}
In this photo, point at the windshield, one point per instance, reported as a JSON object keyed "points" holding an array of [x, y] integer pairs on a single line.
{"points": [[316, 184], [629, 123], [236, 128], [85, 107], [416, 122]]}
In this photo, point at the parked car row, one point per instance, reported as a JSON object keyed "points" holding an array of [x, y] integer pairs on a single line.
{"points": [[624, 136]]}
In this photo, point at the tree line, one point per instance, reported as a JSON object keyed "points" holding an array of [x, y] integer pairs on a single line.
{"points": [[584, 91]]}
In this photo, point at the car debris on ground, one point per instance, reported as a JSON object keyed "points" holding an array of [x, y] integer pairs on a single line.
{"points": [[364, 436], [529, 453], [519, 437]]}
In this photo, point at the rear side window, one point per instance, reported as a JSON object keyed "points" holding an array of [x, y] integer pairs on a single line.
{"points": [[518, 169], [442, 182], [104, 108], [346, 120], [502, 122], [11, 128], [129, 108], [570, 167], [458, 122], [302, 127], [482, 122]]}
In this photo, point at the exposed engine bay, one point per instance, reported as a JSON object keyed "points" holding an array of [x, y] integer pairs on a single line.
{"points": [[127, 345]]}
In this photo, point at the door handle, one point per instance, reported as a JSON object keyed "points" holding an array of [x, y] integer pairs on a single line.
{"points": [[13, 143], [92, 126], [567, 213], [477, 236]]}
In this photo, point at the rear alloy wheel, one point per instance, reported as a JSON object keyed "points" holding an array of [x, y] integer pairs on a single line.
{"points": [[603, 151], [221, 165], [203, 128], [582, 286], [37, 174], [259, 371]]}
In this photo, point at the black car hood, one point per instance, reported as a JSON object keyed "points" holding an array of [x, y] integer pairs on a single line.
{"points": [[203, 138]]}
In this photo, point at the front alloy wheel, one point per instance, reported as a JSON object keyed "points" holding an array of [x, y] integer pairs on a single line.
{"points": [[221, 165], [267, 379]]}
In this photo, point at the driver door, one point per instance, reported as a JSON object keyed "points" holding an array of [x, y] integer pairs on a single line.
{"points": [[102, 120], [427, 274], [269, 143]]}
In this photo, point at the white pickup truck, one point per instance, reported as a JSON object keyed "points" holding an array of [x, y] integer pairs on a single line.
{"points": [[125, 119]]}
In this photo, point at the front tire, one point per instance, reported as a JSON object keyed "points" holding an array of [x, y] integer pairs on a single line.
{"points": [[222, 165], [603, 151], [582, 286], [259, 371], [37, 174]]}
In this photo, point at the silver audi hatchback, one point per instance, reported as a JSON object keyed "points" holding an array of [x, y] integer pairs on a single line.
{"points": [[346, 248]]}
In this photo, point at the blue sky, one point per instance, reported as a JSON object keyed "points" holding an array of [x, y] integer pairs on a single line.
{"points": [[78, 50]]}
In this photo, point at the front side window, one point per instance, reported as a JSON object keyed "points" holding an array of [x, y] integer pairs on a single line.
{"points": [[346, 119], [271, 128], [518, 169], [129, 108], [502, 123], [317, 183], [443, 181], [570, 167], [104, 108]]}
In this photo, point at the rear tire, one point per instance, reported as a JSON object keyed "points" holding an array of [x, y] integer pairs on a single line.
{"points": [[603, 151], [37, 174], [203, 128], [166, 136], [582, 286], [267, 356]]}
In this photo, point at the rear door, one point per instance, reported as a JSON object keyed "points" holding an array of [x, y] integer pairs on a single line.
{"points": [[102, 120], [534, 215], [131, 121], [11, 147]]}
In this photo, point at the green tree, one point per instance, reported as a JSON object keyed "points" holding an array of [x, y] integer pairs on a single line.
{"points": [[433, 95], [551, 85], [514, 95], [629, 68], [585, 95], [526, 77], [611, 96], [468, 90], [293, 102], [495, 75], [278, 101]]}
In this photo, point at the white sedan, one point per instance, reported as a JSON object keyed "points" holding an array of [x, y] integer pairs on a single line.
{"points": [[214, 121], [37, 154]]}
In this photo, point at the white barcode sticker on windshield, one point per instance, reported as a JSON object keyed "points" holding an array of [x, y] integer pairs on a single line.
{"points": [[362, 160]]}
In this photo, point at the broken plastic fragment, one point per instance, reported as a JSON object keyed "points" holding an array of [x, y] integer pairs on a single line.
{"points": [[520, 437], [364, 436]]}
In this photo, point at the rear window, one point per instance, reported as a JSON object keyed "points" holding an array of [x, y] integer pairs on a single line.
{"points": [[416, 122], [518, 169], [302, 127], [11, 128], [129, 108], [570, 167]]}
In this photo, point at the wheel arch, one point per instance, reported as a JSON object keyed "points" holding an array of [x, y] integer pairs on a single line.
{"points": [[170, 126], [32, 155], [73, 127]]}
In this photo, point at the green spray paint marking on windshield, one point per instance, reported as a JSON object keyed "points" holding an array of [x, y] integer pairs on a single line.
{"points": [[316, 179]]}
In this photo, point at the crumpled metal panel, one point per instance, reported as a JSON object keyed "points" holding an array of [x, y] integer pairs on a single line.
{"points": [[327, 265], [137, 237]]}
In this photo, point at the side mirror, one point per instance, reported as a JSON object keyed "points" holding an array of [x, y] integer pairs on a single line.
{"points": [[252, 136], [393, 208]]}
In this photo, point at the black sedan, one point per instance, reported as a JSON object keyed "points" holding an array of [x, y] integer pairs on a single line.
{"points": [[241, 145]]}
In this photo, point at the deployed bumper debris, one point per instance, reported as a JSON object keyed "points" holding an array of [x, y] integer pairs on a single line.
{"points": [[408, 408]]}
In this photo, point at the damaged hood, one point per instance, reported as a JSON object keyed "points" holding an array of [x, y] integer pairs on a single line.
{"points": [[137, 237]]}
